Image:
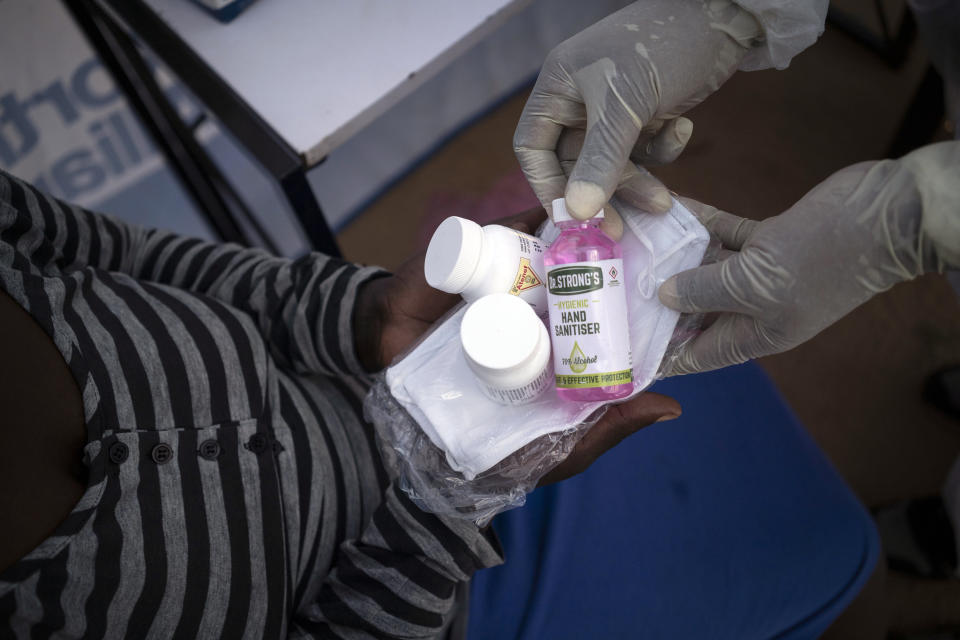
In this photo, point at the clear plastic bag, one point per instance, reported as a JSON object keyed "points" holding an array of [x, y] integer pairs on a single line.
{"points": [[456, 452], [425, 474], [689, 325]]}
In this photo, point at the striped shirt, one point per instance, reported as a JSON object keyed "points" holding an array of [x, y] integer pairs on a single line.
{"points": [[234, 489]]}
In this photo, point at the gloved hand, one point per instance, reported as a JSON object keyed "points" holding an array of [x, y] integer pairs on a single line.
{"points": [[636, 187], [783, 280], [624, 81]]}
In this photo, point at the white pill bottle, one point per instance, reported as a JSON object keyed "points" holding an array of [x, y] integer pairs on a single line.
{"points": [[475, 261], [507, 347]]}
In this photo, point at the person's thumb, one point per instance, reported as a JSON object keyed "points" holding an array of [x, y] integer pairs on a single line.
{"points": [[711, 287], [621, 420], [617, 423]]}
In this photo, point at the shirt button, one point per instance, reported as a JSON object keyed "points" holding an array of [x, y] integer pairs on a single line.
{"points": [[161, 453], [118, 452], [210, 449], [258, 443]]}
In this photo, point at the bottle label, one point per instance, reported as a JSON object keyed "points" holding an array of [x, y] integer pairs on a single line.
{"points": [[588, 324], [528, 283], [519, 395]]}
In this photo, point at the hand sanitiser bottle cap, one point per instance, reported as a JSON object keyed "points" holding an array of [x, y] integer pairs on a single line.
{"points": [[453, 254], [560, 213], [504, 342]]}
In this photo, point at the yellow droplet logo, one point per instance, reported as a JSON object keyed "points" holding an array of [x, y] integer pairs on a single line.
{"points": [[578, 361]]}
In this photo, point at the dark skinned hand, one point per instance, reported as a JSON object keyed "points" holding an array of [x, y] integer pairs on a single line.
{"points": [[393, 312]]}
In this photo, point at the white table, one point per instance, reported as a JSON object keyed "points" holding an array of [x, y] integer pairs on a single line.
{"points": [[317, 71], [293, 79]]}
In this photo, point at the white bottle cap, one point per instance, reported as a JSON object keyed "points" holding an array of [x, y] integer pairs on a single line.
{"points": [[504, 342], [560, 213], [453, 254]]}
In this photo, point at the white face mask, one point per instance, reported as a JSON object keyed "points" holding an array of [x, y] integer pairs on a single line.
{"points": [[436, 387]]}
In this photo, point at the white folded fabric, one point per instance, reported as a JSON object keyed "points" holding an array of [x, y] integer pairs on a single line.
{"points": [[434, 384]]}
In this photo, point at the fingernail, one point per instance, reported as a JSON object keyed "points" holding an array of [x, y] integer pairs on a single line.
{"points": [[611, 224], [668, 292], [661, 201], [584, 199], [668, 417], [683, 129], [613, 229]]}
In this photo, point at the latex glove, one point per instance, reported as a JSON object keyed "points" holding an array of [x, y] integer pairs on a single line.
{"points": [[789, 27], [636, 187], [621, 80], [783, 280]]}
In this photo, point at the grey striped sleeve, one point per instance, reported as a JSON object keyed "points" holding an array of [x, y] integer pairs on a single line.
{"points": [[166, 332], [399, 579], [303, 307]]}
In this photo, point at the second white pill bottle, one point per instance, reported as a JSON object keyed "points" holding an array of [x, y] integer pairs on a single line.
{"points": [[507, 347], [475, 261]]}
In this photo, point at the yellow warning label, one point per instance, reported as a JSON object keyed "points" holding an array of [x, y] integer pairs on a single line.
{"points": [[526, 278]]}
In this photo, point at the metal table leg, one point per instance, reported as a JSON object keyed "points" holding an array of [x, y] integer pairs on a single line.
{"points": [[304, 203], [196, 171], [283, 163]]}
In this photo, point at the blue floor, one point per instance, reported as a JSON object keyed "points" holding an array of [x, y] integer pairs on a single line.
{"points": [[726, 523]]}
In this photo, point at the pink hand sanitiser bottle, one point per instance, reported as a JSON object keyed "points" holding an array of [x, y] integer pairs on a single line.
{"points": [[587, 300]]}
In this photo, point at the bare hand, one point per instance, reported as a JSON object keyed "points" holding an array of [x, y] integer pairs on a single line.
{"points": [[620, 421], [393, 312]]}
